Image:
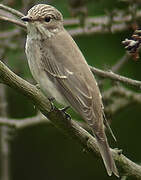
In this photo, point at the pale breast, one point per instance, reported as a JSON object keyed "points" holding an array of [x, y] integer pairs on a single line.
{"points": [[33, 53]]}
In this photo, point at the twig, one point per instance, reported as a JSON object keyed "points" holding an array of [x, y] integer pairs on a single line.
{"points": [[116, 106], [69, 127], [19, 124], [120, 17], [98, 24], [120, 63], [121, 98], [23, 123], [74, 31], [13, 21], [122, 92], [11, 10], [116, 77], [96, 29]]}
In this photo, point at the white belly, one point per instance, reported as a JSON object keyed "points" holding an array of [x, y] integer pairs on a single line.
{"points": [[50, 89]]}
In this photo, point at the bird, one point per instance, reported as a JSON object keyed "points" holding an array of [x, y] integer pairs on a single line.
{"points": [[60, 69]]}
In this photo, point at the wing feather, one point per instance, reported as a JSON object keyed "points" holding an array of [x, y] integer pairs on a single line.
{"points": [[73, 86], [68, 70]]}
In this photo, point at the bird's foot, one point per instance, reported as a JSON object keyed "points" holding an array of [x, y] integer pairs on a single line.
{"points": [[63, 110], [37, 86], [51, 100]]}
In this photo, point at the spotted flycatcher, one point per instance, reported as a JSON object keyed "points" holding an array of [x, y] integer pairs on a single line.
{"points": [[62, 72]]}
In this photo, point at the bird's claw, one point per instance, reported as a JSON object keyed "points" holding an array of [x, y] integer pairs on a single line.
{"points": [[37, 86], [51, 100], [63, 110]]}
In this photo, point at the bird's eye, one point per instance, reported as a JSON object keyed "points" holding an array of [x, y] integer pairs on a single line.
{"points": [[47, 19]]}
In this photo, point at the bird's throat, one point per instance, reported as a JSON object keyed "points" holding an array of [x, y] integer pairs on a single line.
{"points": [[38, 32]]}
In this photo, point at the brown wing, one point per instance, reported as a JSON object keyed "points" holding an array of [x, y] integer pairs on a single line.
{"points": [[72, 86], [70, 80]]}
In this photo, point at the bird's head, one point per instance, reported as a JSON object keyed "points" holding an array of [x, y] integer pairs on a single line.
{"points": [[43, 19]]}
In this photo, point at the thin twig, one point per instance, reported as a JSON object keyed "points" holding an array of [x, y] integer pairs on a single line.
{"points": [[23, 123], [116, 106], [120, 17], [120, 63], [121, 98], [11, 10], [116, 77], [14, 21], [122, 92], [95, 25], [96, 29]]}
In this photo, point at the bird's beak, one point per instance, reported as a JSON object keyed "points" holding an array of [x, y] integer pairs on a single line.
{"points": [[26, 19]]}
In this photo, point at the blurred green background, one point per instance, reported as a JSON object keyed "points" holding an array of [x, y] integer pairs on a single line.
{"points": [[43, 152]]}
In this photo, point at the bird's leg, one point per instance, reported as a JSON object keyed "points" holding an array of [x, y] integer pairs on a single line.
{"points": [[51, 100], [63, 110]]}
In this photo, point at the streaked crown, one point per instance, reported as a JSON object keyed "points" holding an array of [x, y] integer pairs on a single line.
{"points": [[40, 11]]}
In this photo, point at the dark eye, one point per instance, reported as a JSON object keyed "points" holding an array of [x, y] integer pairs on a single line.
{"points": [[47, 19]]}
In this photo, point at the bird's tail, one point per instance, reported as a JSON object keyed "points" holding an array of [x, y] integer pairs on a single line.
{"points": [[107, 156]]}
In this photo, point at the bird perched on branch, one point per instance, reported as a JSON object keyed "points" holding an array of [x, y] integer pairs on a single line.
{"points": [[62, 72]]}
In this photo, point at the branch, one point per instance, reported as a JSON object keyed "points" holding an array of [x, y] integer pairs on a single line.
{"points": [[23, 123], [116, 77], [69, 127], [33, 121]]}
